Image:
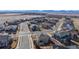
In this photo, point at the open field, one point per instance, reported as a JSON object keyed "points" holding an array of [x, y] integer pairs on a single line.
{"points": [[12, 17], [76, 22]]}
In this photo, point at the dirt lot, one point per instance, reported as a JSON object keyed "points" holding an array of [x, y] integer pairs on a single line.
{"points": [[11, 17], [76, 22]]}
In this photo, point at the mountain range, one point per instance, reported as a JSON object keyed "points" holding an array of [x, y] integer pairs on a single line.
{"points": [[40, 11]]}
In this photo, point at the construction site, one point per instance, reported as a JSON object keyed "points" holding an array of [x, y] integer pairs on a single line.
{"points": [[39, 31]]}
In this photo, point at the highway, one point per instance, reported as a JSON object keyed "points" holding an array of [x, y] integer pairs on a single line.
{"points": [[24, 39]]}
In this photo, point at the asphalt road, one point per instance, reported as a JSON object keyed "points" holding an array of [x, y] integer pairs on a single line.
{"points": [[24, 39]]}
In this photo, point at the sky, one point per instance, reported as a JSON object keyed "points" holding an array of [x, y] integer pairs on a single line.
{"points": [[39, 5]]}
